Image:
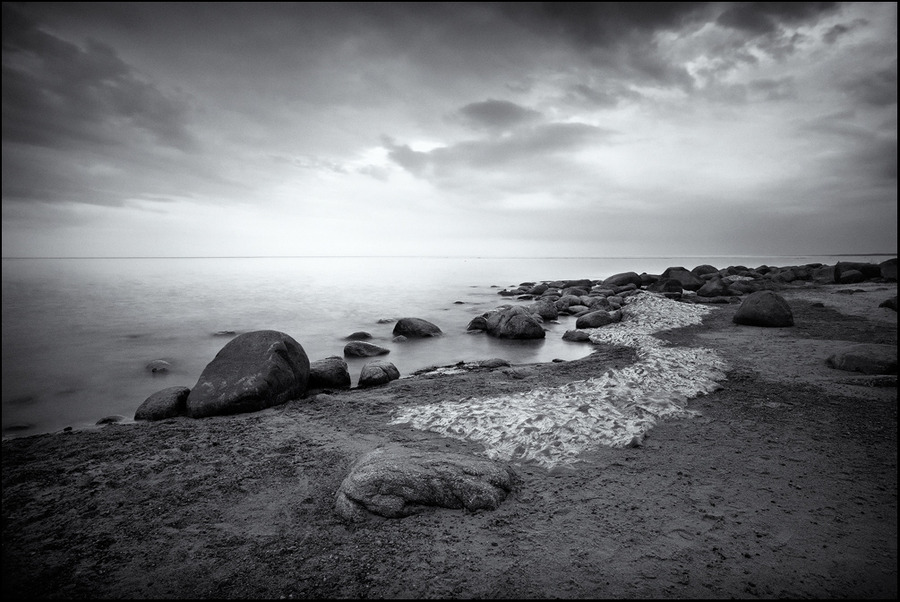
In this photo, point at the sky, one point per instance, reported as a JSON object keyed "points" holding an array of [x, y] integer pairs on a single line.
{"points": [[460, 129]]}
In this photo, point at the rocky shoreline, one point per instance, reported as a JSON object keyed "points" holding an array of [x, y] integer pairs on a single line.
{"points": [[779, 480]]}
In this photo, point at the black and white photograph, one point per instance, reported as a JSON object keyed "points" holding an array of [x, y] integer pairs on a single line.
{"points": [[497, 300]]}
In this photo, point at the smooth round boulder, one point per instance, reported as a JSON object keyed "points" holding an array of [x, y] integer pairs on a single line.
{"points": [[376, 373], [360, 335], [253, 371], [159, 366], [329, 373], [167, 403], [764, 308], [364, 349], [416, 327]]}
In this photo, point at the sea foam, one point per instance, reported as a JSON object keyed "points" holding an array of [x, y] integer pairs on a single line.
{"points": [[553, 425]]}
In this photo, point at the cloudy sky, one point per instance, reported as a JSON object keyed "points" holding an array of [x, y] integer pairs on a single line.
{"points": [[507, 129]]}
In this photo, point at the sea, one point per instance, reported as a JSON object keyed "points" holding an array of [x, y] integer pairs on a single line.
{"points": [[79, 333]]}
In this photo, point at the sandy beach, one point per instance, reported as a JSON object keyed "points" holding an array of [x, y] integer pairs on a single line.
{"points": [[783, 485]]}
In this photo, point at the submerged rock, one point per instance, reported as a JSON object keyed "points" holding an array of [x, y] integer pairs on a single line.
{"points": [[396, 481], [364, 349], [254, 371]]}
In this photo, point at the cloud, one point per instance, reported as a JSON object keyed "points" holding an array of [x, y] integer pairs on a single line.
{"points": [[496, 115], [760, 18], [878, 88], [57, 94]]}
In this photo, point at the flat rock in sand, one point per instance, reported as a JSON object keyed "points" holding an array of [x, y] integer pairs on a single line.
{"points": [[867, 358], [396, 481]]}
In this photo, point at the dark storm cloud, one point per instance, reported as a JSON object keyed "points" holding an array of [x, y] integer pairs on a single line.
{"points": [[766, 17], [496, 114], [59, 95]]}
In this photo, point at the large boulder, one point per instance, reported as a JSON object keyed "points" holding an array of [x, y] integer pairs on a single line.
{"points": [[364, 349], [868, 271], [764, 308], [163, 404], [254, 371], [329, 373], [867, 358], [376, 373], [715, 287], [416, 327], [396, 481], [514, 323]]}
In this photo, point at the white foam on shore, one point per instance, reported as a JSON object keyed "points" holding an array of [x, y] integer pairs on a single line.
{"points": [[553, 425]]}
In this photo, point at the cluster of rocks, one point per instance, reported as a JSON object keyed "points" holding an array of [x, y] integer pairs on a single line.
{"points": [[597, 303], [265, 368]]}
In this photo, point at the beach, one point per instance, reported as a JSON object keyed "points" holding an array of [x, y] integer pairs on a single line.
{"points": [[781, 483]]}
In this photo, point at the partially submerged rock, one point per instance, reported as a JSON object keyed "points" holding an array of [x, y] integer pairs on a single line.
{"points": [[163, 404], [364, 349], [254, 371], [868, 358], [396, 481], [764, 308], [416, 327]]}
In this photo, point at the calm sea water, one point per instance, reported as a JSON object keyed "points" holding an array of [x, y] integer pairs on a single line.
{"points": [[79, 333]]}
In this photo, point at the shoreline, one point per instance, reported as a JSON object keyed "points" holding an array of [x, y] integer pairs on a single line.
{"points": [[783, 486]]}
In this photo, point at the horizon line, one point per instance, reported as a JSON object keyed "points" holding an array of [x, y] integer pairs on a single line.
{"points": [[435, 256]]}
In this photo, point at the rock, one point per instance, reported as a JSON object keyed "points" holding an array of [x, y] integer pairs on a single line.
{"points": [[513, 323], [110, 419], [622, 279], [764, 308], [715, 287], [399, 339], [594, 319], [224, 333], [889, 303], [868, 270], [159, 366], [850, 277], [545, 308], [416, 327], [689, 281], [254, 371], [363, 349], [701, 270], [576, 336], [494, 362], [670, 287], [477, 323], [329, 373], [889, 269], [395, 481], [358, 336], [163, 404], [868, 358], [376, 373]]}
